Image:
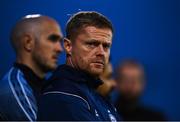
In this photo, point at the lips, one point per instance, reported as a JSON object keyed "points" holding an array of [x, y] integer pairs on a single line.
{"points": [[99, 62]]}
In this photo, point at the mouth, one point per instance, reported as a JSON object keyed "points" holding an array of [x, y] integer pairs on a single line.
{"points": [[99, 63], [55, 57]]}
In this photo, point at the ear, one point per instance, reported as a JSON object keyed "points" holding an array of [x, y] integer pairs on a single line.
{"points": [[68, 46], [28, 42]]}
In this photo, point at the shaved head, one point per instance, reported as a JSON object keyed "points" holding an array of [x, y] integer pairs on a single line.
{"points": [[28, 25], [37, 41]]}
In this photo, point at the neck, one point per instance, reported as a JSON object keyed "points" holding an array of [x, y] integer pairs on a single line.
{"points": [[34, 67], [69, 62]]}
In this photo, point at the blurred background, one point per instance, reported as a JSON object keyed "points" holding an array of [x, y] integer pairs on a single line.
{"points": [[145, 30]]}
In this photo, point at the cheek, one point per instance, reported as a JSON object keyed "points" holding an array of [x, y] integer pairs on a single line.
{"points": [[84, 61], [43, 51], [82, 55], [48, 48]]}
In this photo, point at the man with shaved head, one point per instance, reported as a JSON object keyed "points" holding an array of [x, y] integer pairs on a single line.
{"points": [[36, 41]]}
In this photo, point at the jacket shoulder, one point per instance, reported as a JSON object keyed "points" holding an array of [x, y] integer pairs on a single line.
{"points": [[15, 93], [68, 106]]}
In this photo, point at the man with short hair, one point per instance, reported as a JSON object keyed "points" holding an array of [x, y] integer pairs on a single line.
{"points": [[36, 41], [130, 77], [72, 94]]}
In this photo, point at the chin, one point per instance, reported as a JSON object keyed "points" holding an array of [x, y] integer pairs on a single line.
{"points": [[53, 66], [96, 73]]}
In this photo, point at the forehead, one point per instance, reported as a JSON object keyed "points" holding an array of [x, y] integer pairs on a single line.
{"points": [[50, 27], [97, 33]]}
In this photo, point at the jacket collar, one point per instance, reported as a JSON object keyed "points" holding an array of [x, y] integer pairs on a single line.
{"points": [[33, 80], [78, 76]]}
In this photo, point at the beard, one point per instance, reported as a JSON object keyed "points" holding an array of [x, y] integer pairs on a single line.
{"points": [[89, 66], [43, 63]]}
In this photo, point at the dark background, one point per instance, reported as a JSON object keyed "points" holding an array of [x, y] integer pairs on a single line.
{"points": [[145, 30]]}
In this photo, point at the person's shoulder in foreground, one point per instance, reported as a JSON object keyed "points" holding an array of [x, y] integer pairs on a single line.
{"points": [[105, 90], [17, 100]]}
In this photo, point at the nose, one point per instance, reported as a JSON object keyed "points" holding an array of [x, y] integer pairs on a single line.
{"points": [[59, 47], [100, 50]]}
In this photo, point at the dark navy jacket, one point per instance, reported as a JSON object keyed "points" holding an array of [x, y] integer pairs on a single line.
{"points": [[71, 95], [19, 90]]}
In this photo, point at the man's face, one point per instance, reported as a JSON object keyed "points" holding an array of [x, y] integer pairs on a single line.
{"points": [[47, 46], [91, 49], [131, 83]]}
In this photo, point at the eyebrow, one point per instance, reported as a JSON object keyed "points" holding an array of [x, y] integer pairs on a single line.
{"points": [[97, 41], [94, 40]]}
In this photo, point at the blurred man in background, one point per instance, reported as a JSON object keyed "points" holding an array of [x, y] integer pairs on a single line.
{"points": [[130, 78], [36, 41]]}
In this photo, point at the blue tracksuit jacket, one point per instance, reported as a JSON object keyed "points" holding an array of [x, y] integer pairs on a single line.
{"points": [[71, 95], [19, 91]]}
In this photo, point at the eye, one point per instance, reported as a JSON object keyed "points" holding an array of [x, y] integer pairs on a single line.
{"points": [[106, 46], [54, 38]]}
